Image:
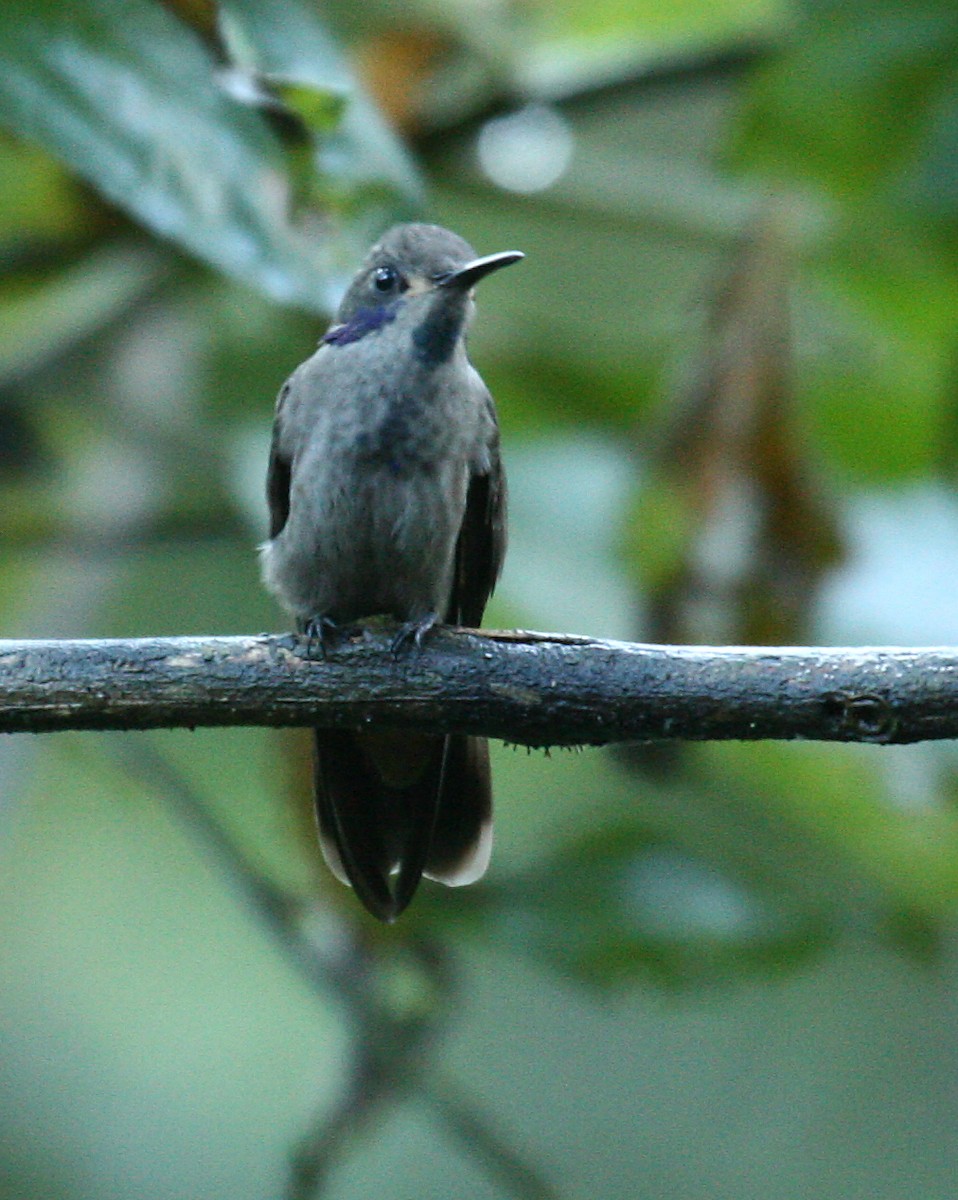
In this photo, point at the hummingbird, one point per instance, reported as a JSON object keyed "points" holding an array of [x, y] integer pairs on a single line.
{"points": [[387, 496]]}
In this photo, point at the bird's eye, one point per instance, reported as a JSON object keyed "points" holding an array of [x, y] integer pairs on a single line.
{"points": [[385, 279]]}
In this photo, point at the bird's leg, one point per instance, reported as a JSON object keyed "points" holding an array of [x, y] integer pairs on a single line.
{"points": [[319, 632], [413, 632]]}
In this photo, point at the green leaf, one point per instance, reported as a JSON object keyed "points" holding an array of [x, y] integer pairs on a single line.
{"points": [[38, 200], [571, 40], [620, 904], [129, 98], [875, 315], [45, 317], [844, 798], [849, 105], [935, 181], [283, 42]]}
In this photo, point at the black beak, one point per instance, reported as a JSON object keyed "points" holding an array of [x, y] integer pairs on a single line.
{"points": [[479, 268]]}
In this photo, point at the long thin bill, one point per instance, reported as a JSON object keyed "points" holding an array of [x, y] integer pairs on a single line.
{"points": [[479, 268]]}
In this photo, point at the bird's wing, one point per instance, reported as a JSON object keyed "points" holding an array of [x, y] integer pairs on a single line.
{"points": [[462, 834], [280, 469], [481, 546]]}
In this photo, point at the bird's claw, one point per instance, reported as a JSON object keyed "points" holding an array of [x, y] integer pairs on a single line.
{"points": [[412, 633], [319, 632]]}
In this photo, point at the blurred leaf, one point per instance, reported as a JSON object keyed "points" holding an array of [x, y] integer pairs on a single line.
{"points": [[849, 104], [44, 317], [128, 97], [845, 798], [318, 110], [22, 454], [863, 104], [732, 488], [921, 937], [284, 42], [876, 315], [570, 41], [934, 184], [37, 197], [201, 14], [678, 20], [618, 904]]}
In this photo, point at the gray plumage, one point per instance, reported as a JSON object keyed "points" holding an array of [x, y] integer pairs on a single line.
{"points": [[387, 496]]}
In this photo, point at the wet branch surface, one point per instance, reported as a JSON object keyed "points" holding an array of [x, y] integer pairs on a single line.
{"points": [[527, 688]]}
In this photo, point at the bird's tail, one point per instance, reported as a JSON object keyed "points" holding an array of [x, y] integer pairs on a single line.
{"points": [[393, 806]]}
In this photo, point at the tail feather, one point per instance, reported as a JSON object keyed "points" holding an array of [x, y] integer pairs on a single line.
{"points": [[462, 838], [393, 807]]}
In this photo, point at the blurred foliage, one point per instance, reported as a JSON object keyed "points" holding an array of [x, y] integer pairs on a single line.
{"points": [[731, 535], [726, 377]]}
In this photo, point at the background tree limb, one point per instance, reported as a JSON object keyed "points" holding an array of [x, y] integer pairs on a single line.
{"points": [[529, 688]]}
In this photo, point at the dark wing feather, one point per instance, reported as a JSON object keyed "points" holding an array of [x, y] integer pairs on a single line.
{"points": [[462, 835], [481, 547], [278, 473]]}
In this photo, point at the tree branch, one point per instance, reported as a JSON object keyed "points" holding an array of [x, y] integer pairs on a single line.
{"points": [[529, 688]]}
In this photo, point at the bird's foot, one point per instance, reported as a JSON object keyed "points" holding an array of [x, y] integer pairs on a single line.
{"points": [[412, 633], [319, 633]]}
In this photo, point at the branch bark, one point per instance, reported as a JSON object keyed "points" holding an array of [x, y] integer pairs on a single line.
{"points": [[528, 688]]}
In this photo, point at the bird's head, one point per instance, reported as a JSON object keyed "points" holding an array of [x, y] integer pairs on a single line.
{"points": [[423, 273]]}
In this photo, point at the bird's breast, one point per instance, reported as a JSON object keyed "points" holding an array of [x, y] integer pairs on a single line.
{"points": [[407, 420], [402, 438]]}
